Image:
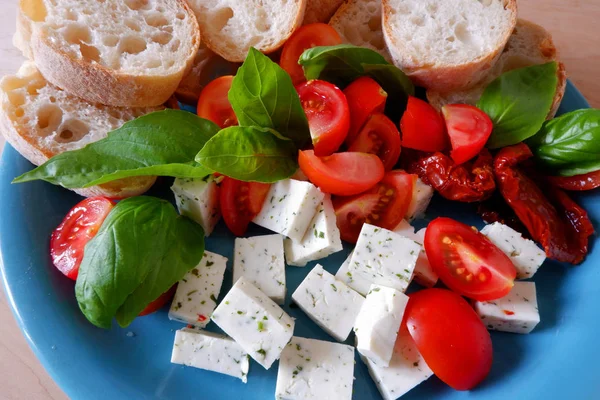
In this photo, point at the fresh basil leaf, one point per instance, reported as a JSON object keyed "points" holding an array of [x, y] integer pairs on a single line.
{"points": [[262, 94], [142, 249], [570, 144], [518, 102], [162, 143], [249, 153]]}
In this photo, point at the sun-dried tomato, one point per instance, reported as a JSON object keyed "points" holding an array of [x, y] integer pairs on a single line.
{"points": [[495, 209], [578, 182], [552, 218]]}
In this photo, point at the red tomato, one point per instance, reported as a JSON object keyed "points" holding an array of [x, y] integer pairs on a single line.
{"points": [[79, 227], [304, 38], [469, 129], [450, 336], [379, 136], [344, 174], [328, 117], [213, 103], [158, 303], [384, 205], [240, 202], [587, 181], [365, 97], [422, 127], [467, 261]]}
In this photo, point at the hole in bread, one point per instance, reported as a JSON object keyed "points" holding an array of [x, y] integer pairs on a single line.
{"points": [[90, 53], [72, 131], [19, 112], [133, 25], [372, 8], [12, 82], [462, 33], [156, 20], [132, 45], [261, 25], [162, 38], [115, 113], [49, 116], [170, 63], [33, 9], [52, 99], [76, 34], [432, 8], [488, 3], [180, 15], [138, 4], [254, 41], [110, 40], [33, 88], [375, 23], [450, 39], [418, 21], [17, 99], [175, 45], [221, 18], [153, 64], [70, 15]]}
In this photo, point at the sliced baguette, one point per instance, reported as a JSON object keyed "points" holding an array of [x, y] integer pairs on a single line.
{"points": [[231, 27], [320, 10], [530, 44], [40, 121], [447, 45], [127, 53], [359, 23]]}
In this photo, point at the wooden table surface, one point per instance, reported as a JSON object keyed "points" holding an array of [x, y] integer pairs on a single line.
{"points": [[572, 22]]}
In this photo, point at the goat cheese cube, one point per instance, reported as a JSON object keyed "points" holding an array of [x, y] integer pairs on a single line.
{"points": [[197, 293], [289, 207], [524, 253], [378, 323], [314, 369], [198, 199], [320, 240], [255, 322], [407, 369], [210, 351], [384, 257], [260, 260], [421, 198], [353, 281], [517, 312], [424, 274], [328, 302]]}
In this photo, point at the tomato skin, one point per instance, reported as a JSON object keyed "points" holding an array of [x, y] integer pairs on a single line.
{"points": [[469, 129], [365, 97], [160, 302], [240, 202], [213, 103], [78, 227], [582, 182], [422, 127], [328, 116], [379, 136], [306, 37], [343, 174], [467, 261], [450, 336]]}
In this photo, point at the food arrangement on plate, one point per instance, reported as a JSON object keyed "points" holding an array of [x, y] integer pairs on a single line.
{"points": [[324, 134]]}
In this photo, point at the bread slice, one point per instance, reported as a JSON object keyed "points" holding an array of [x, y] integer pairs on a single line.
{"points": [[447, 45], [359, 23], [126, 53], [530, 44], [40, 121], [231, 27], [320, 10]]}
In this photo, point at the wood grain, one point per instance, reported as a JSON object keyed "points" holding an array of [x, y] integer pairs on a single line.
{"points": [[572, 22]]}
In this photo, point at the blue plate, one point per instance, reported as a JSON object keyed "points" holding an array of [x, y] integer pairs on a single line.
{"points": [[558, 360]]}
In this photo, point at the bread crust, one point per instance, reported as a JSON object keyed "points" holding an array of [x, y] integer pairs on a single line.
{"points": [[320, 10]]}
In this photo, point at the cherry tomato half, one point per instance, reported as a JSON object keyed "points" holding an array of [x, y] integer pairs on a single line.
{"points": [[450, 336], [583, 182], [160, 302], [79, 227], [213, 103], [384, 205], [422, 127], [328, 117], [469, 129], [240, 202], [365, 97], [304, 38], [379, 136], [467, 261]]}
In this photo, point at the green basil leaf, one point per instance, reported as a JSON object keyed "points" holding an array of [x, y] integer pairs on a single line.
{"points": [[142, 249], [250, 154], [570, 144], [518, 102], [162, 143], [262, 94]]}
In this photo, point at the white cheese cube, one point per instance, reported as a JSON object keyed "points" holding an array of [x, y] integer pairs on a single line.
{"points": [[260, 260], [384, 257], [314, 369], [378, 323], [421, 198], [517, 312], [320, 240], [289, 207], [328, 302], [210, 351], [524, 253], [424, 273], [255, 322], [407, 369], [198, 199], [353, 281], [197, 293]]}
